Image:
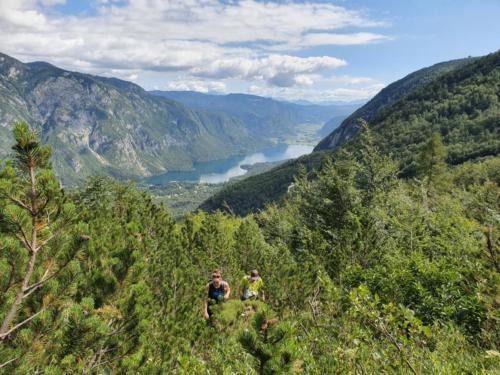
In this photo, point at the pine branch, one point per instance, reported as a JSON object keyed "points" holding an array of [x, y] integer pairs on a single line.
{"points": [[9, 361], [7, 333], [45, 242], [11, 277], [18, 203], [30, 289], [23, 237]]}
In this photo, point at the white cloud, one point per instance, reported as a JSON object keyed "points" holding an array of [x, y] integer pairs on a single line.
{"points": [[196, 85], [201, 40], [317, 39], [314, 39], [348, 80], [318, 95], [50, 3], [20, 15], [277, 70]]}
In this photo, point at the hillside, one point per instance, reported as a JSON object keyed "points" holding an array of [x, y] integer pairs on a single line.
{"points": [[265, 117], [331, 125], [385, 98], [100, 125], [462, 105], [362, 272]]}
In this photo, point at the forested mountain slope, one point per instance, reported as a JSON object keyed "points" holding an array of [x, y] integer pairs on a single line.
{"points": [[385, 98], [462, 105], [263, 116], [331, 125], [363, 272], [110, 126]]}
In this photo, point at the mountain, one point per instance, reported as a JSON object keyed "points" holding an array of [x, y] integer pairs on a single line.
{"points": [[462, 104], [331, 125], [265, 117], [100, 125], [385, 98]]}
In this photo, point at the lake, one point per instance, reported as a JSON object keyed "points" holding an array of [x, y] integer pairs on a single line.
{"points": [[218, 171]]}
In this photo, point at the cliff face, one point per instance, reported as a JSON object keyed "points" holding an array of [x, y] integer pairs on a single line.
{"points": [[105, 125]]}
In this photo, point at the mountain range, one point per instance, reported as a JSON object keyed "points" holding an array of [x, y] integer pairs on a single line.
{"points": [[263, 116], [459, 99], [100, 125], [109, 126]]}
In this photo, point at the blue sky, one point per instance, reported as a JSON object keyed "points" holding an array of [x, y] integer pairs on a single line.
{"points": [[315, 50]]}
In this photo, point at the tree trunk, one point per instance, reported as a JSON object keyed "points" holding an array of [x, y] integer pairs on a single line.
{"points": [[11, 315], [19, 298]]}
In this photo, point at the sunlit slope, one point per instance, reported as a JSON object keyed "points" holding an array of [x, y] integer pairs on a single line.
{"points": [[385, 98]]}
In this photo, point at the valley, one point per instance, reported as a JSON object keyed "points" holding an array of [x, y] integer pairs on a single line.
{"points": [[101, 125], [249, 187], [184, 191]]}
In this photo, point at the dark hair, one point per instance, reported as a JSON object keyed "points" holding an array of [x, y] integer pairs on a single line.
{"points": [[254, 273], [216, 272]]}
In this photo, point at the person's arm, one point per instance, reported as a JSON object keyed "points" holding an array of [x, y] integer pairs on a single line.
{"points": [[227, 291], [205, 307]]}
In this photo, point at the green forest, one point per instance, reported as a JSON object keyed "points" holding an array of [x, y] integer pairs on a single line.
{"points": [[364, 272]]}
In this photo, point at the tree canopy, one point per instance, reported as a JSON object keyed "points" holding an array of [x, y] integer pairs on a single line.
{"points": [[364, 272]]}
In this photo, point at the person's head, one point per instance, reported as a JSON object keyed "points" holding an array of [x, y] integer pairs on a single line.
{"points": [[254, 275], [216, 277]]}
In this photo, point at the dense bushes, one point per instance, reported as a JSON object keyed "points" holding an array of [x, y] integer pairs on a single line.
{"points": [[364, 273]]}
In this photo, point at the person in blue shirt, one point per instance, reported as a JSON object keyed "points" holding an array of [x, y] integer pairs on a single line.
{"points": [[218, 292]]}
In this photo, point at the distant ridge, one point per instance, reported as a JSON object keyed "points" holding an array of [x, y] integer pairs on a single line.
{"points": [[463, 104], [265, 117]]}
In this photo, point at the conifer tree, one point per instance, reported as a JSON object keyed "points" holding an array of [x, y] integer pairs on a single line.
{"points": [[270, 343], [35, 220], [431, 161], [377, 172]]}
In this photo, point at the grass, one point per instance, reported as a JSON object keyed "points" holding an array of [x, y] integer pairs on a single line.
{"points": [[307, 134]]}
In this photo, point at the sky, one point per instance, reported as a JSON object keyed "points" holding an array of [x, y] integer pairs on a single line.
{"points": [[315, 50]]}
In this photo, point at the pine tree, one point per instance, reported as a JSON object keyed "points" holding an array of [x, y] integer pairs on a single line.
{"points": [[35, 220], [377, 172], [431, 161], [270, 343]]}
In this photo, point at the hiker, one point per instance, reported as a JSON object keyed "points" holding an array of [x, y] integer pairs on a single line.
{"points": [[218, 292], [251, 287]]}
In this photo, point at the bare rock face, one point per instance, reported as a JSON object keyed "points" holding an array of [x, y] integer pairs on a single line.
{"points": [[105, 125]]}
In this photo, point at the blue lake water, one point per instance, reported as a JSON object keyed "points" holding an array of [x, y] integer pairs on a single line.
{"points": [[219, 171]]}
